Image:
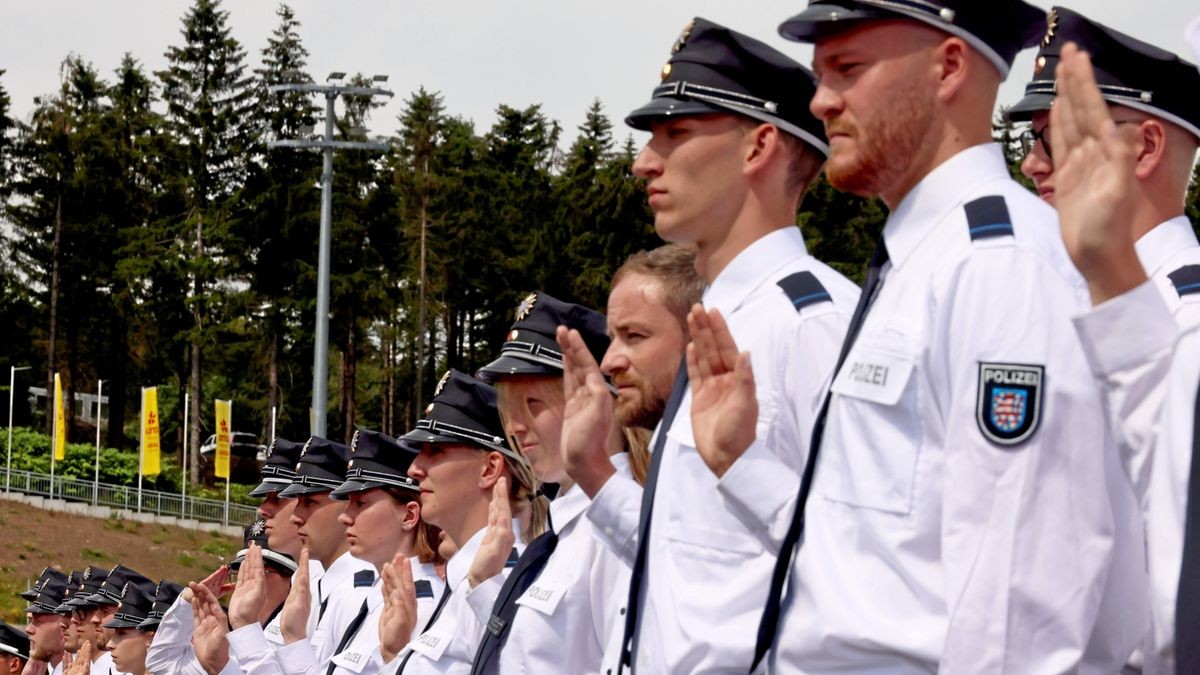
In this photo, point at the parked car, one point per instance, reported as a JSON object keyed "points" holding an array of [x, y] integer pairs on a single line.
{"points": [[246, 457]]}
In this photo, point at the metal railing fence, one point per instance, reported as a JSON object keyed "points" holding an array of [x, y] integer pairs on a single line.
{"points": [[126, 497]]}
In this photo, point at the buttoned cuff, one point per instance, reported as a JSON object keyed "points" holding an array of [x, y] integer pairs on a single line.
{"points": [[248, 642], [758, 488], [482, 598], [1126, 330], [296, 657], [615, 511]]}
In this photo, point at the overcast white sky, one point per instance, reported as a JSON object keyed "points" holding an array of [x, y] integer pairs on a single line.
{"points": [[477, 53]]}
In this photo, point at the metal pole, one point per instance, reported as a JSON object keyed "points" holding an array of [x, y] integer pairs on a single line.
{"points": [[273, 417], [53, 444], [226, 501], [321, 347], [141, 448], [183, 477], [99, 406]]}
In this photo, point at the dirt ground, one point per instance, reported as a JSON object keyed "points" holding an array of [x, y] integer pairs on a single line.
{"points": [[32, 538]]}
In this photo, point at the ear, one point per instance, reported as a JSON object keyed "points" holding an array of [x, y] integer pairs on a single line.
{"points": [[493, 468], [762, 144], [412, 516], [953, 66], [1152, 147]]}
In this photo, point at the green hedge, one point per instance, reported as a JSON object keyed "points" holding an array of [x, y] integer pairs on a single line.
{"points": [[31, 452]]}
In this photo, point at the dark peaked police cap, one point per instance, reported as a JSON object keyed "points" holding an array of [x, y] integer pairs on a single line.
{"points": [[93, 581], [463, 411], [714, 69], [30, 594], [50, 595], [531, 347], [997, 29], [376, 461], [164, 597], [321, 468], [1129, 72], [13, 641], [256, 533], [137, 601], [114, 584], [280, 468]]}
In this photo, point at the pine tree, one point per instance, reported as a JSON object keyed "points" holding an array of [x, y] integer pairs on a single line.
{"points": [[209, 112], [7, 126]]}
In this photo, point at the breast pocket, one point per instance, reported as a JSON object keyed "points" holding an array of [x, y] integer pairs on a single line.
{"points": [[873, 431]]}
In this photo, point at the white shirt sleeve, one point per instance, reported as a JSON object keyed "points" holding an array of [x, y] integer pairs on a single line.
{"points": [[171, 648], [615, 512], [254, 653]]}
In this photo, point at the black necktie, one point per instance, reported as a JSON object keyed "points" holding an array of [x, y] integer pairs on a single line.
{"points": [[769, 624], [1187, 601], [536, 555], [351, 631], [639, 564], [437, 611], [324, 603]]}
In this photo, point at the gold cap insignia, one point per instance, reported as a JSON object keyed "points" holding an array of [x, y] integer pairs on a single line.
{"points": [[526, 306], [1039, 65], [257, 528], [307, 444], [354, 442], [441, 385], [428, 409], [683, 37], [1051, 26], [666, 71]]}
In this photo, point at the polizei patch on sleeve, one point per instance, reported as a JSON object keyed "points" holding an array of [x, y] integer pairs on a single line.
{"points": [[1009, 402]]}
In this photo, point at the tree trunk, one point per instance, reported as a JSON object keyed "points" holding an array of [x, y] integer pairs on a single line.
{"points": [[118, 374], [348, 381], [51, 364], [422, 282], [197, 325]]}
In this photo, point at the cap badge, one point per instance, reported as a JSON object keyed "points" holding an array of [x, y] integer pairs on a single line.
{"points": [[257, 528], [526, 306], [429, 410], [512, 335], [1051, 27], [437, 391], [683, 37], [1039, 65], [124, 590], [303, 450], [87, 574], [666, 71], [354, 442]]}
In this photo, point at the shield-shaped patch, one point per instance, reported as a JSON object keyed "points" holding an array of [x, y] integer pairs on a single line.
{"points": [[1009, 403]]}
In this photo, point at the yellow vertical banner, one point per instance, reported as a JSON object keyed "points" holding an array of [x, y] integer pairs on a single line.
{"points": [[151, 450], [221, 468], [60, 421]]}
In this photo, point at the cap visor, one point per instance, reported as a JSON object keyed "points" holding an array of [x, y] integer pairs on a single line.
{"points": [[418, 437], [29, 596], [298, 489], [268, 487], [664, 106], [1025, 108], [97, 599], [78, 603], [40, 609], [123, 623], [508, 365], [805, 26], [149, 624], [344, 490]]}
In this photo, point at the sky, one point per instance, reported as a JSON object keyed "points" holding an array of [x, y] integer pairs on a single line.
{"points": [[478, 54]]}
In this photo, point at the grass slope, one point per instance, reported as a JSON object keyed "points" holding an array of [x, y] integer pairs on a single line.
{"points": [[33, 538]]}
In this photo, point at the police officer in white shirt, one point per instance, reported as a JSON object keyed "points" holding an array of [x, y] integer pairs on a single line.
{"points": [[559, 604], [1149, 378], [464, 467], [959, 476], [733, 148], [106, 599], [1152, 94], [82, 615], [14, 649], [43, 626], [383, 524]]}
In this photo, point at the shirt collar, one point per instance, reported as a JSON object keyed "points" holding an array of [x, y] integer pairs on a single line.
{"points": [[342, 568], [460, 563], [567, 507], [1158, 245], [937, 194], [752, 266]]}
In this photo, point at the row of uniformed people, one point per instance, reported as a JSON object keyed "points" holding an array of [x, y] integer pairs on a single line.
{"points": [[93, 621]]}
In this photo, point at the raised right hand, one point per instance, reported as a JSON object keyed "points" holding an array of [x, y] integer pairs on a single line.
{"points": [[293, 621]]}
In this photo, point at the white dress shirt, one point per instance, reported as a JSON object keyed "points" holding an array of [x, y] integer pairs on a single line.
{"points": [[1149, 372], [564, 618], [928, 546], [449, 645], [256, 654], [707, 572], [104, 665], [1164, 250], [171, 651]]}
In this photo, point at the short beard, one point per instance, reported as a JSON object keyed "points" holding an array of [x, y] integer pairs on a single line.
{"points": [[887, 145], [644, 416]]}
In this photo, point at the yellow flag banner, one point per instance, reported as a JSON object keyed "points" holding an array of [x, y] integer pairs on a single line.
{"points": [[151, 450], [222, 454], [60, 421]]}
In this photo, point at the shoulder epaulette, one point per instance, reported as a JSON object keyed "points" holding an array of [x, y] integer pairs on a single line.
{"points": [[988, 217], [364, 578], [803, 289], [424, 588], [513, 557], [1186, 280]]}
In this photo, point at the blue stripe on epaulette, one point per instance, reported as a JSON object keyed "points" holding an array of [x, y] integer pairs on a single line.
{"points": [[424, 588], [988, 217], [803, 289], [364, 578], [1186, 280], [513, 557]]}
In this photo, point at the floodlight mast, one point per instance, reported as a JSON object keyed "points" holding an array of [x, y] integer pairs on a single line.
{"points": [[320, 387]]}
